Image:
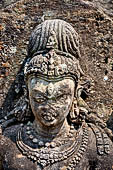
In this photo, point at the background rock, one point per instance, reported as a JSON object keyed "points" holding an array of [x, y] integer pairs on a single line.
{"points": [[4, 3]]}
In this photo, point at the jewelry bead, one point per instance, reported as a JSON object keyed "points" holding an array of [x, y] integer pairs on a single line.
{"points": [[37, 155], [43, 162], [78, 154], [77, 158], [52, 161], [72, 127], [29, 123], [41, 143], [53, 144], [47, 144], [70, 135], [65, 157], [71, 131], [31, 136], [28, 132], [35, 140], [55, 156], [46, 156], [82, 149], [34, 158], [51, 156], [60, 155], [28, 128]]}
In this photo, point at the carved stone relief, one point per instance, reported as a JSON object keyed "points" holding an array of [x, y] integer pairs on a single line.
{"points": [[57, 128]]}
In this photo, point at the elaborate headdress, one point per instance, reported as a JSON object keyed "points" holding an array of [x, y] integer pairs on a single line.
{"points": [[53, 50]]}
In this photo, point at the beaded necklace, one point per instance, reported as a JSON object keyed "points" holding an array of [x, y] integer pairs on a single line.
{"points": [[49, 153]]}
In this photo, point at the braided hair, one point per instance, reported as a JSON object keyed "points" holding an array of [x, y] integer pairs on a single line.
{"points": [[67, 38]]}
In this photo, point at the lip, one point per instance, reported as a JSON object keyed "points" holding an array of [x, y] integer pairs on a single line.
{"points": [[49, 118], [49, 113]]}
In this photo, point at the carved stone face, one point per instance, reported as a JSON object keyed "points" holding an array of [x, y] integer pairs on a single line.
{"points": [[50, 101]]}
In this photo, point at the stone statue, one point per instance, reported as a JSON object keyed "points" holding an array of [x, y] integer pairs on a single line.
{"points": [[62, 133]]}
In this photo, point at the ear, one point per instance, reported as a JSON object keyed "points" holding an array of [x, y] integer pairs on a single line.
{"points": [[82, 89], [74, 113], [79, 90]]}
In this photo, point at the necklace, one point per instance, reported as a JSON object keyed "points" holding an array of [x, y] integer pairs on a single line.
{"points": [[77, 157], [35, 138], [47, 155]]}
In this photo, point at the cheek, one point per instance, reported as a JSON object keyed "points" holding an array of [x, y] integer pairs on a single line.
{"points": [[37, 108], [34, 106], [66, 101], [62, 107]]}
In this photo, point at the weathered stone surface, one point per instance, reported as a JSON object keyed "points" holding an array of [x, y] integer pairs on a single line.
{"points": [[53, 97], [105, 5], [5, 3]]}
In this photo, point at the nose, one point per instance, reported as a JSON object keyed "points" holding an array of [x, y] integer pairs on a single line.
{"points": [[50, 89]]}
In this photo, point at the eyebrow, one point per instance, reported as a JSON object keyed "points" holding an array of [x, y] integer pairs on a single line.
{"points": [[38, 92], [63, 87]]}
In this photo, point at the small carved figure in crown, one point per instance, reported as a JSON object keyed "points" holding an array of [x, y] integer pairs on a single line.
{"points": [[52, 41]]}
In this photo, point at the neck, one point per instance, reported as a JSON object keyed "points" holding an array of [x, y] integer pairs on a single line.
{"points": [[52, 132]]}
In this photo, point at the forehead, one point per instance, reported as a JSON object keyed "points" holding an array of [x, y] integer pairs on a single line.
{"points": [[35, 82]]}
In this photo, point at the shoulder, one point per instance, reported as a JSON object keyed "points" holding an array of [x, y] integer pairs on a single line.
{"points": [[100, 148], [9, 135], [6, 143], [11, 132]]}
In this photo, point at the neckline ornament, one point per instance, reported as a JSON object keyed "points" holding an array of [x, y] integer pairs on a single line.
{"points": [[35, 139], [49, 153]]}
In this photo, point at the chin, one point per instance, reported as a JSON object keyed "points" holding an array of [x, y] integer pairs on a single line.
{"points": [[49, 123]]}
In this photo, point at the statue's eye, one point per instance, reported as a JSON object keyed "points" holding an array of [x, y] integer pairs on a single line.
{"points": [[62, 96], [39, 100]]}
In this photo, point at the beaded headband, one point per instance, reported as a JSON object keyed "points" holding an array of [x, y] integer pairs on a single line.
{"points": [[53, 65]]}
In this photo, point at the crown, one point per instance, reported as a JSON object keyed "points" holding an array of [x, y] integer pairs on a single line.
{"points": [[52, 64]]}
